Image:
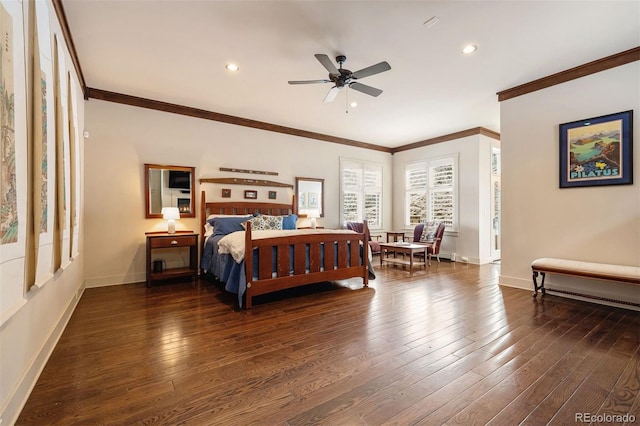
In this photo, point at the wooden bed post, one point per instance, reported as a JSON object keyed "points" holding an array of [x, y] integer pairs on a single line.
{"points": [[203, 214], [248, 264]]}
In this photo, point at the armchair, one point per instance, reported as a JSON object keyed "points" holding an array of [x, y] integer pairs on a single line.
{"points": [[359, 227], [430, 235]]}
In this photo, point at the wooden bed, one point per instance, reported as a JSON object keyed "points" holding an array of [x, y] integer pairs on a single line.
{"points": [[276, 270]]}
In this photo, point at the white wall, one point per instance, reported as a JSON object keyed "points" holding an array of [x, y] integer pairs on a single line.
{"points": [[474, 198], [123, 138], [597, 224]]}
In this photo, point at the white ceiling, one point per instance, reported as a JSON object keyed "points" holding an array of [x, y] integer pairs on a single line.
{"points": [[176, 51]]}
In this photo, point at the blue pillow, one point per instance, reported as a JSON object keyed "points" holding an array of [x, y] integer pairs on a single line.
{"points": [[227, 225], [218, 216], [289, 222]]}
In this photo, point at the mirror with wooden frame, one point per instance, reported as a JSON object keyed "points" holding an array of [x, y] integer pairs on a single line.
{"points": [[310, 194], [169, 186]]}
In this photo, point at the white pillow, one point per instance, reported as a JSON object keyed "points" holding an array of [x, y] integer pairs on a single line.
{"points": [[429, 232]]}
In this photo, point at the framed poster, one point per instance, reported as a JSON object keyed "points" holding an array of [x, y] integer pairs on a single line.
{"points": [[597, 151], [251, 194]]}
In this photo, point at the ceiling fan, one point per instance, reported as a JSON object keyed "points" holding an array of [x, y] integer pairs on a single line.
{"points": [[345, 78]]}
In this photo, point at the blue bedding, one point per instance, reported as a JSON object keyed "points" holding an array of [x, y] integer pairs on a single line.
{"points": [[223, 267], [209, 259]]}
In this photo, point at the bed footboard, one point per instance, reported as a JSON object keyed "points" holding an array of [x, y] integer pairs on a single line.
{"points": [[292, 261]]}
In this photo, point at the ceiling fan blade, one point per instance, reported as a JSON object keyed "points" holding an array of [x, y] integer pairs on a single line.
{"points": [[309, 81], [327, 63], [373, 69], [371, 91], [331, 95]]}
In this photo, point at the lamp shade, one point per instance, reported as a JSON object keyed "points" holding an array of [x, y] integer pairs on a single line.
{"points": [[170, 213]]}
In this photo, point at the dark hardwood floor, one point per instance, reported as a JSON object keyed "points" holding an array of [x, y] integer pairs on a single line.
{"points": [[445, 346]]}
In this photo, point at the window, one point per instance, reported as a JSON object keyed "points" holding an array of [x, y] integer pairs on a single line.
{"points": [[361, 192], [431, 192]]}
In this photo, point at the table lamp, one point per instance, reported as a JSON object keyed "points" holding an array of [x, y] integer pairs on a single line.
{"points": [[313, 214], [170, 214]]}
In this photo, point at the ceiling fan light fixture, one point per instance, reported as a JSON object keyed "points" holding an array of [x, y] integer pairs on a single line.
{"points": [[345, 78], [470, 48], [232, 67]]}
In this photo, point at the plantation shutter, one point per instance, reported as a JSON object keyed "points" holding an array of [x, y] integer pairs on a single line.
{"points": [[361, 192], [351, 188], [430, 192], [373, 195], [441, 196], [416, 184]]}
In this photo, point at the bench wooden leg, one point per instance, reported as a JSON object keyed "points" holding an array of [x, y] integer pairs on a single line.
{"points": [[537, 287]]}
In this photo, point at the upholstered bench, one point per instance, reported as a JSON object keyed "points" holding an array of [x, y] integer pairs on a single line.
{"points": [[600, 271]]}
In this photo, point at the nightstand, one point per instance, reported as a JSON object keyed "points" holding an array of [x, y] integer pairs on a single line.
{"points": [[163, 241]]}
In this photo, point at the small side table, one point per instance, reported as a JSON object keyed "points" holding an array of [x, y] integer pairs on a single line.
{"points": [[395, 236], [163, 240]]}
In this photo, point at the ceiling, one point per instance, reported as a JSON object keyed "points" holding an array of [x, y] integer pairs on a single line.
{"points": [[176, 50]]}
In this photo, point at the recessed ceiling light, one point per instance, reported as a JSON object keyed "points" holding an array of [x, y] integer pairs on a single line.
{"points": [[470, 48], [232, 67], [353, 104]]}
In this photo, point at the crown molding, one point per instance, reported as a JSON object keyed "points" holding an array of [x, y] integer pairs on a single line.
{"points": [[120, 98], [223, 118], [451, 136], [64, 25], [593, 67]]}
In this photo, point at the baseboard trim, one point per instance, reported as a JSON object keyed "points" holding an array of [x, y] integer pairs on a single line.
{"points": [[600, 297], [516, 282], [19, 396], [110, 280]]}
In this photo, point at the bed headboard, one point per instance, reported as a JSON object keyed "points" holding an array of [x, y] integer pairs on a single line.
{"points": [[241, 208]]}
